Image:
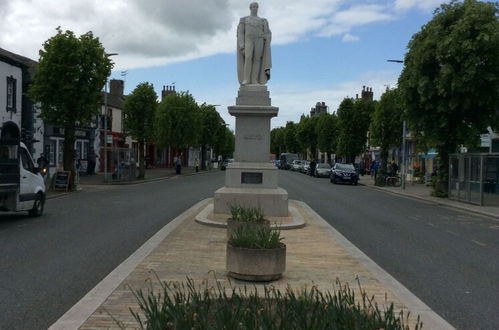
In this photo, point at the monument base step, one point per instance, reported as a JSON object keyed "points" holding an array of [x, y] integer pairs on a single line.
{"points": [[272, 202]]}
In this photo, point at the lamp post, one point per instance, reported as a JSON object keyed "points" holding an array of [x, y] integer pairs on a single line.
{"points": [[105, 124], [404, 133]]}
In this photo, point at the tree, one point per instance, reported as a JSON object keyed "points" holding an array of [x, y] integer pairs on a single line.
{"points": [[386, 125], [307, 135], [177, 121], [139, 111], [277, 140], [450, 83], [290, 137], [71, 73], [225, 144], [211, 123], [354, 117], [327, 131]]}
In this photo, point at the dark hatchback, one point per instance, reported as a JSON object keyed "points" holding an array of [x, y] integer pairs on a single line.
{"points": [[341, 173]]}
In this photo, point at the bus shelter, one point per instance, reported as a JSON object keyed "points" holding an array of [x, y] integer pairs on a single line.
{"points": [[474, 178]]}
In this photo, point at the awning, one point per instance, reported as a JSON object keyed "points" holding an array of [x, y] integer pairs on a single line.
{"points": [[432, 153]]}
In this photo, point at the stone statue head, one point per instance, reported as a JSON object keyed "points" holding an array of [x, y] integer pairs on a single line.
{"points": [[254, 8]]}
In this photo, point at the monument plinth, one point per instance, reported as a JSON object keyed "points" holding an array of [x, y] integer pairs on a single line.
{"points": [[252, 180]]}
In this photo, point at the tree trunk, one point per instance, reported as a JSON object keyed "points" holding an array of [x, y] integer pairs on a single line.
{"points": [[142, 161], [442, 184], [69, 156], [384, 160], [203, 157]]}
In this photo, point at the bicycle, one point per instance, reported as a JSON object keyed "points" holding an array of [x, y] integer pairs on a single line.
{"points": [[394, 181], [383, 180]]}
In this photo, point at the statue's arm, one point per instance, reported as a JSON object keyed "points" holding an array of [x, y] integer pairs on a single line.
{"points": [[240, 35], [266, 30]]}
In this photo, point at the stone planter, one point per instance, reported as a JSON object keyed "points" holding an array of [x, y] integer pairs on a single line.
{"points": [[256, 264], [233, 225]]}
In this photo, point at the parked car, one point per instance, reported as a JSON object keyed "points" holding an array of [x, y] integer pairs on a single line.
{"points": [[323, 170], [286, 160], [305, 167], [341, 173], [226, 163], [295, 166]]}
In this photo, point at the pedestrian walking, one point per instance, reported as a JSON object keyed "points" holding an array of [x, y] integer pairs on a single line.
{"points": [[178, 166], [313, 164], [196, 163], [375, 170]]}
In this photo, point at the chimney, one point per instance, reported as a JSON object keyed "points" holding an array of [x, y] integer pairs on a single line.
{"points": [[167, 90], [116, 87]]}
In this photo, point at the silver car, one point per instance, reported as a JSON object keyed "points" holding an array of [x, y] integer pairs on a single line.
{"points": [[323, 170], [295, 166]]}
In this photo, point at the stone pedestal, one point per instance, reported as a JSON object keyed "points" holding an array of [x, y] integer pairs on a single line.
{"points": [[252, 180]]}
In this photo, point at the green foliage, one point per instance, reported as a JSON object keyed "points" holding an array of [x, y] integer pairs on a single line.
{"points": [[211, 124], [69, 79], [256, 237], [291, 138], [307, 134], [386, 125], [225, 143], [68, 82], [450, 82], [277, 140], [327, 131], [139, 110], [178, 121], [183, 305], [246, 214], [354, 117]]}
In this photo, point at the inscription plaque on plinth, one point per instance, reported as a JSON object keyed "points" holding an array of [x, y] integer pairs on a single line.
{"points": [[251, 178]]}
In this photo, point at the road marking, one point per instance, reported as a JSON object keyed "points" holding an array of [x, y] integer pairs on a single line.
{"points": [[431, 224], [479, 243], [452, 233]]}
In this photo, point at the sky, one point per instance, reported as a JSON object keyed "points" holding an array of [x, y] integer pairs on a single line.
{"points": [[322, 50]]}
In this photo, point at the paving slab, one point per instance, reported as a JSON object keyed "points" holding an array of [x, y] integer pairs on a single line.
{"points": [[317, 255]]}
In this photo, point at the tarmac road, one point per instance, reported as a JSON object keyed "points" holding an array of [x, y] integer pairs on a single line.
{"points": [[448, 258], [49, 263]]}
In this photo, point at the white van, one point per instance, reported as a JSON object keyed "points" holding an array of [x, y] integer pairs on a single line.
{"points": [[22, 188]]}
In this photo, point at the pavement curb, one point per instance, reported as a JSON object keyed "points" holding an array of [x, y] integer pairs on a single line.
{"points": [[83, 309], [431, 320], [441, 203], [202, 218], [125, 183]]}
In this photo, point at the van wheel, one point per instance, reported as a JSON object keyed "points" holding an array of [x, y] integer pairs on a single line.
{"points": [[37, 209]]}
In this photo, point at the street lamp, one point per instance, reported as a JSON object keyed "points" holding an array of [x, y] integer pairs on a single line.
{"points": [[105, 123], [404, 133]]}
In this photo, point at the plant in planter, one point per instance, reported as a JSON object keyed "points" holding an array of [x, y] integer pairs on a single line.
{"points": [[256, 254], [241, 215]]}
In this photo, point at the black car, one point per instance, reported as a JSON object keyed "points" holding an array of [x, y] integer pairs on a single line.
{"points": [[344, 173]]}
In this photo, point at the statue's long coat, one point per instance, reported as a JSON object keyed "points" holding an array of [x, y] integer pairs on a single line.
{"points": [[266, 60]]}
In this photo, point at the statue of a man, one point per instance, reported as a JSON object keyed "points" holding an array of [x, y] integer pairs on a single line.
{"points": [[253, 49]]}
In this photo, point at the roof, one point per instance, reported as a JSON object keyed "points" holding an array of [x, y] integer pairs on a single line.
{"points": [[18, 60]]}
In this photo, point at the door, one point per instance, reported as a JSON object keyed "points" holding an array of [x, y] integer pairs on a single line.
{"points": [[28, 181]]}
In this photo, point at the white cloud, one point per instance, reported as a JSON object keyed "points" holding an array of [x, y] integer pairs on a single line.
{"points": [[345, 20], [421, 4], [157, 32], [350, 38]]}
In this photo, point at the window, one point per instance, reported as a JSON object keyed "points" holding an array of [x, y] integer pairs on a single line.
{"points": [[11, 94], [26, 161]]}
